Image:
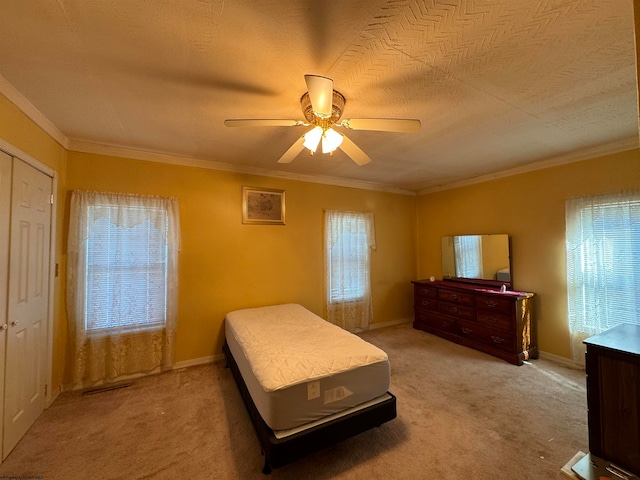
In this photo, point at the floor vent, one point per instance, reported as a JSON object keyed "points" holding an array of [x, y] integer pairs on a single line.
{"points": [[107, 388]]}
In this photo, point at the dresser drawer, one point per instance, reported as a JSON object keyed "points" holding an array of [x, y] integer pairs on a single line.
{"points": [[425, 297], [456, 297], [494, 303], [425, 302], [458, 311], [487, 336], [494, 320], [431, 319], [426, 291]]}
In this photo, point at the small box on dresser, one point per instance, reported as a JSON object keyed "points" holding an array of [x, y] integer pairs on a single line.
{"points": [[495, 322]]}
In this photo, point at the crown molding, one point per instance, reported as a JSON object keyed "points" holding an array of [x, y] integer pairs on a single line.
{"points": [[623, 145], [173, 159], [26, 107], [35, 115]]}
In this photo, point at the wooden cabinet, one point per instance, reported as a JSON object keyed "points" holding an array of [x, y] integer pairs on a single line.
{"points": [[613, 396], [495, 322]]}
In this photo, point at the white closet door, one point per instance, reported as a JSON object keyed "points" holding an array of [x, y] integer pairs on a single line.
{"points": [[5, 212], [28, 302]]}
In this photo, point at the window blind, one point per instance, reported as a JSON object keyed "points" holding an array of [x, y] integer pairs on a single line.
{"points": [[603, 261], [126, 271]]}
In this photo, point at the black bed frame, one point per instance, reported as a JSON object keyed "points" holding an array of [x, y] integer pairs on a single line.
{"points": [[280, 451]]}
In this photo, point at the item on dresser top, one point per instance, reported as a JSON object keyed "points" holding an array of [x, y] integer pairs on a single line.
{"points": [[306, 383]]}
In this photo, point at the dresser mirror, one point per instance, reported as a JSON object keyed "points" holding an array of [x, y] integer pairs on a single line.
{"points": [[483, 259]]}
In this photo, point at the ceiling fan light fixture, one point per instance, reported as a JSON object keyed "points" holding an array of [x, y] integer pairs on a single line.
{"points": [[312, 116], [312, 139], [322, 108], [320, 90], [331, 140]]}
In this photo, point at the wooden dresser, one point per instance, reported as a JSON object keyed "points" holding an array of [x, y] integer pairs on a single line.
{"points": [[613, 397], [484, 318]]}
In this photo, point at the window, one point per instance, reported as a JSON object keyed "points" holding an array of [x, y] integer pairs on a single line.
{"points": [[348, 270], [126, 271], [349, 238], [122, 283], [603, 264], [468, 255]]}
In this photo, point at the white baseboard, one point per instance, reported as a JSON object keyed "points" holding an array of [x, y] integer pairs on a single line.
{"points": [[52, 398], [564, 361], [375, 326], [198, 361]]}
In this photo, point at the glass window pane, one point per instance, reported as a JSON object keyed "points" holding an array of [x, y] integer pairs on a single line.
{"points": [[126, 270]]}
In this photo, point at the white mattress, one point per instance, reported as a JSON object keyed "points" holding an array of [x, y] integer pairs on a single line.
{"points": [[299, 368]]}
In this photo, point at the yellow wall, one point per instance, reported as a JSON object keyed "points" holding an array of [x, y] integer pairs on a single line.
{"points": [[225, 265], [530, 208], [18, 130]]}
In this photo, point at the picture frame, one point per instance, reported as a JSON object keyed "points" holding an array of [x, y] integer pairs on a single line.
{"points": [[263, 206]]}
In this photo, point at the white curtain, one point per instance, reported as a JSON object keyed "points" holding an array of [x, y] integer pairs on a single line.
{"points": [[122, 284], [468, 255], [603, 264], [349, 238]]}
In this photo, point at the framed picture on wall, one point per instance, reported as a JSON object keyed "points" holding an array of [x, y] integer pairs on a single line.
{"points": [[262, 206]]}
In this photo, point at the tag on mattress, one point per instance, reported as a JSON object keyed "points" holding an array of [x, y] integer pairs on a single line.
{"points": [[336, 394], [313, 390]]}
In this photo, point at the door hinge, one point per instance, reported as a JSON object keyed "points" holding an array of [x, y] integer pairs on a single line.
{"points": [[51, 199]]}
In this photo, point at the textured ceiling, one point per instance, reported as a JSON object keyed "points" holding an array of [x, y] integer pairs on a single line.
{"points": [[497, 85]]}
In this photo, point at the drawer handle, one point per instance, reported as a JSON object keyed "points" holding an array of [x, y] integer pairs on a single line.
{"points": [[425, 302], [454, 310], [425, 291], [454, 297], [490, 303], [497, 339], [466, 331], [492, 319]]}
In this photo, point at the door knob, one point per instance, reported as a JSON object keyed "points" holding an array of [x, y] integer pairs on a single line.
{"points": [[14, 323], [4, 327]]}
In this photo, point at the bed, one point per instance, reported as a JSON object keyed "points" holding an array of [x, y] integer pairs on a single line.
{"points": [[503, 275], [306, 383]]}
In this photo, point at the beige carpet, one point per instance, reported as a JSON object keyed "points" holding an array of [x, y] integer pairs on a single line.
{"points": [[461, 415]]}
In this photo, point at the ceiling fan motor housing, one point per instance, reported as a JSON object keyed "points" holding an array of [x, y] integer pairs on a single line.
{"points": [[336, 110]]}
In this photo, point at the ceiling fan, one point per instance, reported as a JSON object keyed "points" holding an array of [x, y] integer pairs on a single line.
{"points": [[322, 107]]}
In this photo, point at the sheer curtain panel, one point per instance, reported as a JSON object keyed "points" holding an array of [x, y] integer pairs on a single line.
{"points": [[468, 254], [603, 264], [122, 284], [349, 238]]}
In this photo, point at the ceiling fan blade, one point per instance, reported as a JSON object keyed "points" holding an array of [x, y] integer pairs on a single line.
{"points": [[354, 151], [321, 94], [262, 122], [382, 124], [293, 151]]}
